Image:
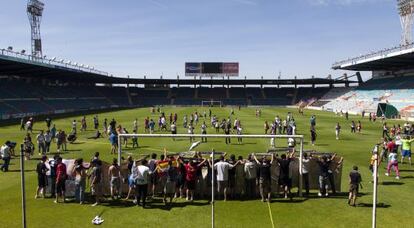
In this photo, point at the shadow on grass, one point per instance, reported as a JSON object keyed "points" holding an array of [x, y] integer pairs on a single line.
{"points": [[407, 170], [379, 205], [392, 183], [18, 170], [408, 177], [76, 143], [72, 150], [158, 204], [283, 200]]}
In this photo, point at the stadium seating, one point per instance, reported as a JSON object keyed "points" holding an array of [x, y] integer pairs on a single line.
{"points": [[397, 91]]}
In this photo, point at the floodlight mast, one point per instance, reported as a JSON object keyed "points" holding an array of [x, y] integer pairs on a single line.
{"points": [[406, 12], [35, 12]]}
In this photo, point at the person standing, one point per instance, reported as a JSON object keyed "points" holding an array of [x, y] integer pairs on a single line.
{"points": [[266, 127], [324, 163], [354, 183], [313, 135], [204, 132], [60, 180], [250, 170], [140, 174], [96, 181], [353, 127], [305, 172], [284, 177], [191, 131], [337, 130], [191, 177], [113, 139], [41, 142], [227, 130], [41, 170], [406, 149], [48, 122], [79, 171], [114, 173], [171, 181], [393, 162], [173, 128], [264, 177], [96, 122], [239, 132], [48, 141], [22, 124], [222, 168], [5, 155], [53, 169]]}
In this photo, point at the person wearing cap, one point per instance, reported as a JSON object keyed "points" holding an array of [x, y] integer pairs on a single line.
{"points": [[5, 155], [41, 170]]}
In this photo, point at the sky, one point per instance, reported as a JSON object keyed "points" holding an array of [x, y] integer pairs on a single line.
{"points": [[156, 37]]}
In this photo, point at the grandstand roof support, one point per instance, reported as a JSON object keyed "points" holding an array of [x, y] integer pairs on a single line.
{"points": [[406, 11], [35, 12]]}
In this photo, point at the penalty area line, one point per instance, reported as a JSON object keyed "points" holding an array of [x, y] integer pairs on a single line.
{"points": [[270, 214]]}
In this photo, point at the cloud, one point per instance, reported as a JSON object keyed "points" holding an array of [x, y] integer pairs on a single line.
{"points": [[343, 2]]}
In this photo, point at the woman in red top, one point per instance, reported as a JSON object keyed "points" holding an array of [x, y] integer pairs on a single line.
{"points": [[191, 177]]}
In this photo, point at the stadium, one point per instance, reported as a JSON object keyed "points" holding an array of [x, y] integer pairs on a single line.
{"points": [[206, 129]]}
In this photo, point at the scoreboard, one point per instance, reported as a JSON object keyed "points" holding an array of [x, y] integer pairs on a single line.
{"points": [[210, 69]]}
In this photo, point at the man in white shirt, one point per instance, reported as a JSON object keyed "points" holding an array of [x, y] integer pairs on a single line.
{"points": [[140, 174], [5, 155], [305, 172], [222, 167], [41, 142], [48, 140]]}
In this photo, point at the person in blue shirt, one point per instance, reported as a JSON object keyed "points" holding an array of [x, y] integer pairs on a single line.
{"points": [[113, 139]]}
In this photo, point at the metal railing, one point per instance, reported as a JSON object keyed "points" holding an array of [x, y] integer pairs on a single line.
{"points": [[383, 52], [19, 56]]}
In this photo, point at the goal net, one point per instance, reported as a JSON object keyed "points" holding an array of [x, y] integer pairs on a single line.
{"points": [[211, 103]]}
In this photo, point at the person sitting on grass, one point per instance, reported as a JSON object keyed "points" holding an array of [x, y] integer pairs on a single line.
{"points": [[354, 183], [264, 177], [41, 170]]}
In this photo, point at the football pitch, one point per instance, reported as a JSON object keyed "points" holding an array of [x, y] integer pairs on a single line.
{"points": [[395, 197]]}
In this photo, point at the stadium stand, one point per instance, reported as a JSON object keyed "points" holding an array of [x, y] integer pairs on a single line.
{"points": [[396, 91]]}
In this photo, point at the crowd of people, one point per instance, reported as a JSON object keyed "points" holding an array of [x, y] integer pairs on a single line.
{"points": [[179, 176]]}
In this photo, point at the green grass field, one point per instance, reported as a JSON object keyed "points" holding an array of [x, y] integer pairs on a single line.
{"points": [[395, 195]]}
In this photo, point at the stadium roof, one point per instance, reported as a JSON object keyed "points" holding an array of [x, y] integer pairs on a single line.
{"points": [[397, 58], [47, 69]]}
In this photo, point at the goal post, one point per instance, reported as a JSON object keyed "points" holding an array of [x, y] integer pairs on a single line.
{"points": [[211, 103], [300, 138]]}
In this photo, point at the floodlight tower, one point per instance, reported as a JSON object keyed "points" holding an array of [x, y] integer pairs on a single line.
{"points": [[35, 12], [406, 11]]}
